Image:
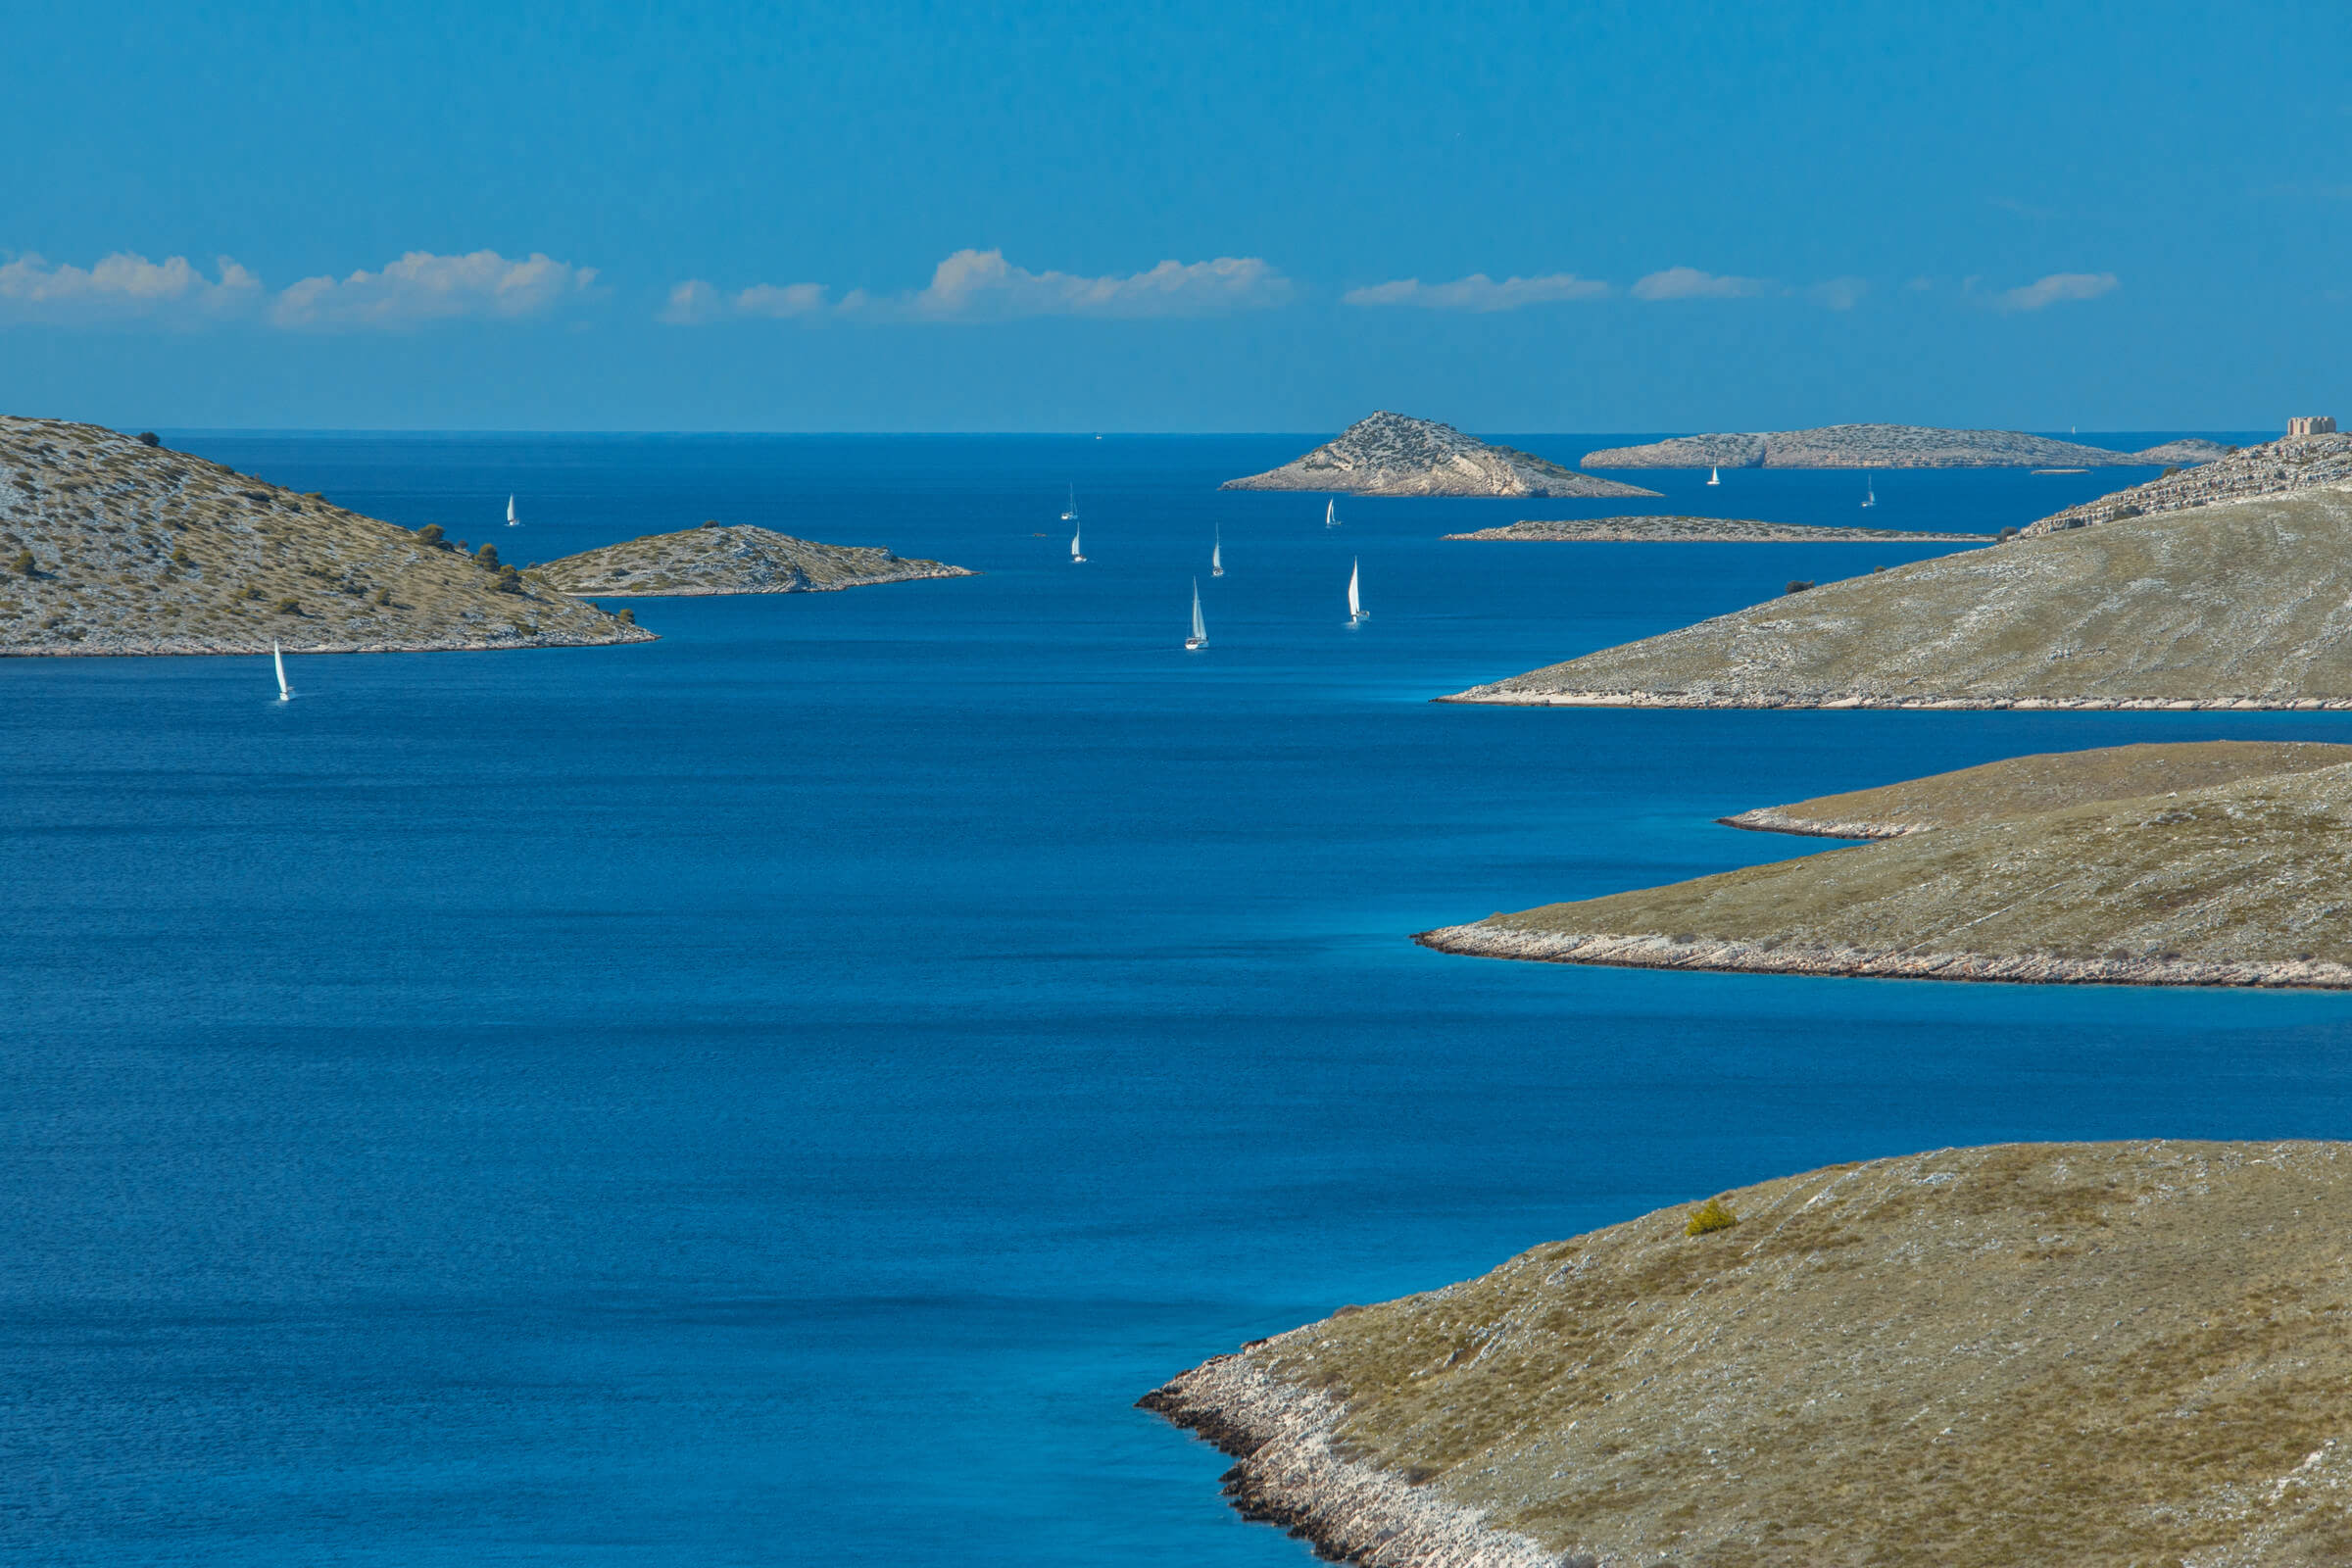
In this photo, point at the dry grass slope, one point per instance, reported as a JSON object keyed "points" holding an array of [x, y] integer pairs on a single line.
{"points": [[109, 546], [1705, 530], [2237, 883], [733, 559], [2239, 605], [2023, 786], [2094, 1355]]}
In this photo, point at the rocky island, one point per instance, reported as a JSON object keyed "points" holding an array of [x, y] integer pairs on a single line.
{"points": [[717, 558], [2047, 877], [1395, 455], [2272, 469], [2023, 786], [1888, 445], [2054, 1355], [110, 544], [2237, 605], [1707, 530]]}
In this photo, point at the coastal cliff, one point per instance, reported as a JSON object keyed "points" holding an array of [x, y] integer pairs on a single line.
{"points": [[2095, 1355], [1396, 455], [732, 560], [2238, 882], [1705, 530], [1888, 446], [2232, 605], [109, 545]]}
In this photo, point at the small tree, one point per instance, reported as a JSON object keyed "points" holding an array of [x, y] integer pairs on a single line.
{"points": [[2008, 533], [429, 534], [22, 563], [629, 617], [486, 558], [711, 524], [289, 606], [1797, 585], [147, 438], [510, 582], [1712, 1216]]}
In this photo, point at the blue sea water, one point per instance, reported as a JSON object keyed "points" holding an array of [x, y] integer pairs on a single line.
{"points": [[778, 1094]]}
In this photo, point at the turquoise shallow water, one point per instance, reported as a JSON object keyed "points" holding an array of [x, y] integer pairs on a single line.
{"points": [[778, 1094]]}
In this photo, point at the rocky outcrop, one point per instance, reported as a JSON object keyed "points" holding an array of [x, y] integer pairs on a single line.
{"points": [[1396, 455], [2234, 606], [109, 545], [1886, 446], [1706, 530], [732, 560], [1290, 1473], [2274, 468], [2064, 1355]]}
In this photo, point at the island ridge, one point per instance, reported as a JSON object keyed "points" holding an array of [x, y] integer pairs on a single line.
{"points": [[1396, 455], [1890, 446], [716, 559]]}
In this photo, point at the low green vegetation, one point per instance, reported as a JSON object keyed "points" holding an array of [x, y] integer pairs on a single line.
{"points": [[1711, 1216], [718, 559]]}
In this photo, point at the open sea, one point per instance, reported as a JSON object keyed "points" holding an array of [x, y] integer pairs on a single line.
{"points": [[777, 1095]]}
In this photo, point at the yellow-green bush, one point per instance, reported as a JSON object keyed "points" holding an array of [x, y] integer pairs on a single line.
{"points": [[1712, 1216]]}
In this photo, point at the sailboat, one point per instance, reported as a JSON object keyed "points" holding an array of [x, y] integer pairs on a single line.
{"points": [[1216, 556], [285, 692], [1870, 493], [1200, 636], [1331, 513], [1355, 602], [1077, 556], [510, 522], [1715, 475], [1070, 512]]}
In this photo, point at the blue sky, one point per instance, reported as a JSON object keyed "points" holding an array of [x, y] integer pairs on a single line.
{"points": [[1176, 216]]}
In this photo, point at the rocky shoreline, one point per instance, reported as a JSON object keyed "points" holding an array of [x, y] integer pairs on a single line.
{"points": [[1388, 454], [215, 647], [1705, 530], [2274, 468], [719, 559], [1485, 941], [1888, 445], [1290, 1472], [1841, 700], [1764, 819]]}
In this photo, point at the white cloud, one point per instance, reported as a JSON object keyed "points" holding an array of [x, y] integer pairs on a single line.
{"points": [[1690, 283], [424, 287], [1839, 293], [123, 287], [980, 285], [2056, 289], [1479, 292]]}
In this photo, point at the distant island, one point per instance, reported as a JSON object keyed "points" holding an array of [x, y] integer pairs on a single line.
{"points": [[1706, 530], [1890, 446], [110, 544], [2272, 469], [2233, 605], [2047, 874], [738, 559], [2026, 1355], [1395, 455]]}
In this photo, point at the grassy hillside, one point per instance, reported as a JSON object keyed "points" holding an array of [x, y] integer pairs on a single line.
{"points": [[2237, 883], [2079, 1355], [110, 546], [2023, 786], [733, 559], [2243, 605]]}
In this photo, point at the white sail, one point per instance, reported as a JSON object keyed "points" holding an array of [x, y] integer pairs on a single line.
{"points": [[1216, 556], [1070, 512], [510, 511], [1355, 602], [1870, 493], [284, 691], [1715, 475], [1075, 552], [1200, 636], [1331, 513]]}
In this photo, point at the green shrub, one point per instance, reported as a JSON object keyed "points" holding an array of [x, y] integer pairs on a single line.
{"points": [[22, 563], [2008, 533], [429, 534], [1712, 1216], [486, 558], [1797, 585], [181, 555], [383, 596], [147, 438], [629, 617], [711, 524], [289, 606], [2169, 471], [510, 582], [252, 592]]}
